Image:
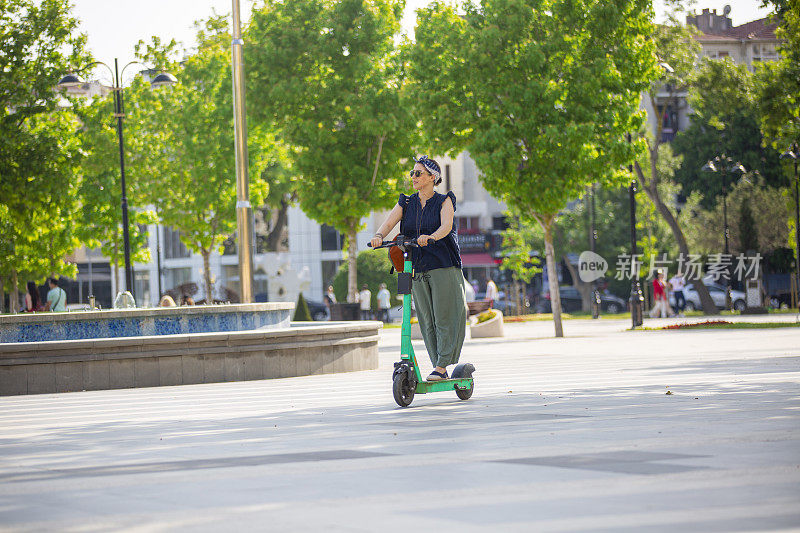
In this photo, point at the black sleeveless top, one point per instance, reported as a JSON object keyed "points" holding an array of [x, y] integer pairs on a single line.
{"points": [[417, 221]]}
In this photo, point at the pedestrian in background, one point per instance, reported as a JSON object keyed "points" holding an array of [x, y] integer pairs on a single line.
{"points": [[660, 308], [365, 300], [677, 283], [167, 301], [491, 291], [56, 298], [33, 302], [384, 302]]}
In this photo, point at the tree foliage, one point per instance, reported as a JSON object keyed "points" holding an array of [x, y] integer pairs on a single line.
{"points": [[540, 92], [779, 82], [327, 74], [191, 170], [39, 153], [100, 192], [373, 269], [726, 121]]}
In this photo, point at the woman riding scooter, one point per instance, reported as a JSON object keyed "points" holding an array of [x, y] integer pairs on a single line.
{"points": [[438, 288]]}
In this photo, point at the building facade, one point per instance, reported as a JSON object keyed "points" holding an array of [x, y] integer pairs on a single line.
{"points": [[747, 44]]}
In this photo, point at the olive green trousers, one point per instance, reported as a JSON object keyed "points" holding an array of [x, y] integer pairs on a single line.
{"points": [[442, 313]]}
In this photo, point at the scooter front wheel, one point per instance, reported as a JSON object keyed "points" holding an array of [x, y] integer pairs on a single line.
{"points": [[465, 394], [402, 390]]}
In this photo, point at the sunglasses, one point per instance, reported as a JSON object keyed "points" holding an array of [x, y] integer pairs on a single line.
{"points": [[417, 173]]}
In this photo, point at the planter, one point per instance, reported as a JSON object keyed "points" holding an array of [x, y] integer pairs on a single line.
{"points": [[491, 328]]}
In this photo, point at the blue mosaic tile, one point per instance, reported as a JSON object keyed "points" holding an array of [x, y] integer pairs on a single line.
{"points": [[88, 330], [247, 321], [265, 319], [167, 326], [227, 322], [147, 325], [200, 323]]}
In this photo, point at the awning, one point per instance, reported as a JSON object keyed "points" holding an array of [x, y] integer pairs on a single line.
{"points": [[478, 260]]}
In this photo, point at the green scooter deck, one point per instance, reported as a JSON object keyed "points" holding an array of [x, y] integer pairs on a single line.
{"points": [[424, 387]]}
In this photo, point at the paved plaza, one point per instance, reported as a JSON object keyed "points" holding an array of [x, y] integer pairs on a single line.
{"points": [[572, 434]]}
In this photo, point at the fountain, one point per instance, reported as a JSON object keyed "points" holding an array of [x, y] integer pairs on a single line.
{"points": [[125, 348]]}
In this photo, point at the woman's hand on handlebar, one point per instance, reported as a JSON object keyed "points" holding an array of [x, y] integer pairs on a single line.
{"points": [[376, 241], [423, 240]]}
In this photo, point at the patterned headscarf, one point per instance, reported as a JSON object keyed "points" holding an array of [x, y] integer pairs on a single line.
{"points": [[432, 167]]}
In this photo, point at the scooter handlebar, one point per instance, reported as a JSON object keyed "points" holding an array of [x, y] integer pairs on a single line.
{"points": [[399, 242]]}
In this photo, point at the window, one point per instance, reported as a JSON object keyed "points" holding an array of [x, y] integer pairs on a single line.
{"points": [[141, 284], [175, 277], [173, 247], [468, 224], [329, 269], [230, 282], [260, 285], [499, 223], [330, 239]]}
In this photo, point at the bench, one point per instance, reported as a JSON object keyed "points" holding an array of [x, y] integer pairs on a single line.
{"points": [[478, 306]]}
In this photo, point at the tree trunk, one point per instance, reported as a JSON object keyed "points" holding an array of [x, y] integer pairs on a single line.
{"points": [[651, 188], [550, 255], [207, 275], [13, 298], [2, 296], [274, 237], [585, 289], [115, 262], [352, 273]]}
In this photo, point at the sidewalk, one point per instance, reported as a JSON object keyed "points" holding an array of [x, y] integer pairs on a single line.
{"points": [[571, 434]]}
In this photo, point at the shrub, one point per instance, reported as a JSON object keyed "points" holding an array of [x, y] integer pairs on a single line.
{"points": [[301, 312], [486, 315]]}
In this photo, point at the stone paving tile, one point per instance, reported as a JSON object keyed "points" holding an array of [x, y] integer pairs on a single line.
{"points": [[573, 434]]}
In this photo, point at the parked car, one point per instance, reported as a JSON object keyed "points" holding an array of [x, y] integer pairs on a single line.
{"points": [[571, 301], [717, 292], [318, 310]]}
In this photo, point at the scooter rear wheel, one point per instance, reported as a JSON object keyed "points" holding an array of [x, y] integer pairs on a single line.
{"points": [[465, 394], [402, 390]]}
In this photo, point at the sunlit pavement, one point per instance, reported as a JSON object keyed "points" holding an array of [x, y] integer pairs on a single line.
{"points": [[572, 434]]}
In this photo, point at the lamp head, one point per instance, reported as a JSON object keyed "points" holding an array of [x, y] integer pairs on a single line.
{"points": [[68, 81], [788, 154], [164, 79], [667, 69]]}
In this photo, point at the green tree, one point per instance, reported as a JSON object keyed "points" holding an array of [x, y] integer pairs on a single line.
{"points": [[100, 193], [373, 269], [779, 82], [38, 147], [328, 75], [677, 49], [764, 230], [190, 176], [541, 93], [726, 121]]}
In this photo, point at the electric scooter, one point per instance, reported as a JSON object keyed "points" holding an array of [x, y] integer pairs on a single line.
{"points": [[407, 379]]}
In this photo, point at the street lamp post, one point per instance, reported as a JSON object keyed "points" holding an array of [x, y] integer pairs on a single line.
{"points": [[593, 236], [636, 299], [161, 80], [794, 154], [244, 211], [725, 165]]}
